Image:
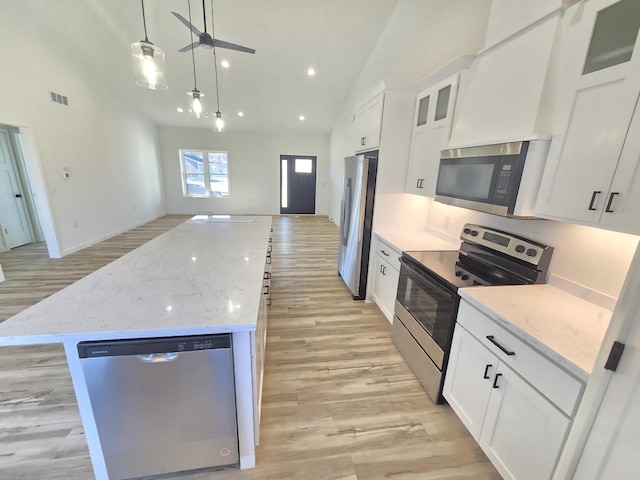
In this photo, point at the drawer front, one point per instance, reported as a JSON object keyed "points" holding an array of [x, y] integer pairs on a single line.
{"points": [[556, 384], [390, 254]]}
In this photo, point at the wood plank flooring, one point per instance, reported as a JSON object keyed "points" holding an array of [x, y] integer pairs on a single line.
{"points": [[339, 402]]}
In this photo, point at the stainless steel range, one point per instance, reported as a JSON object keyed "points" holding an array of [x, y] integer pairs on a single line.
{"points": [[427, 299]]}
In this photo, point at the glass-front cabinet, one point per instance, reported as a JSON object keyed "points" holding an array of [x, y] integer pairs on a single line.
{"points": [[431, 131], [591, 173]]}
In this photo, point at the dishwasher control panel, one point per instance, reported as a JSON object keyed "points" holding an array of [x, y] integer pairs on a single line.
{"points": [[145, 346]]}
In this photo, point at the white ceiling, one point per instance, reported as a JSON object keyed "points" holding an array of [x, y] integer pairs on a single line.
{"points": [[270, 87]]}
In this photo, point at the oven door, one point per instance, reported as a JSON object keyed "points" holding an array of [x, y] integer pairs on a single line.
{"points": [[427, 308]]}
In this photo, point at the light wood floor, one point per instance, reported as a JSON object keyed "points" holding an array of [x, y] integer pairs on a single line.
{"points": [[339, 401]]}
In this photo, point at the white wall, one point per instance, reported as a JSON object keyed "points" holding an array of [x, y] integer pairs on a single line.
{"points": [[419, 37], [110, 149], [254, 168]]}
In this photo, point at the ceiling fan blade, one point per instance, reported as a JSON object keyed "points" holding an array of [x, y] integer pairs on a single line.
{"points": [[187, 24], [189, 47], [232, 46]]}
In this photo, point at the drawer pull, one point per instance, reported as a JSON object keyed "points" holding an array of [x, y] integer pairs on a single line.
{"points": [[495, 380], [267, 275], [384, 253], [486, 371], [266, 289], [493, 340]]}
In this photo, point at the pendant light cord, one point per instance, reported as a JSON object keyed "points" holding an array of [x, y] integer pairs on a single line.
{"points": [[215, 60], [193, 55], [144, 22]]}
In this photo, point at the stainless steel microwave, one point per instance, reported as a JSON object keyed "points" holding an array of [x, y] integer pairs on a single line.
{"points": [[502, 179]]}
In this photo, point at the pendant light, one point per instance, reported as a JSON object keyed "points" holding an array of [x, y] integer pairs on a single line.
{"points": [[196, 104], [148, 61], [219, 122]]}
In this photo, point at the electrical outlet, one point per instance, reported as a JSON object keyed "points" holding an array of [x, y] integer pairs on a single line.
{"points": [[66, 173], [447, 222]]}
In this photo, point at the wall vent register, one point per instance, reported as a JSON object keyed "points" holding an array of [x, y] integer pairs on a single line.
{"points": [[57, 98]]}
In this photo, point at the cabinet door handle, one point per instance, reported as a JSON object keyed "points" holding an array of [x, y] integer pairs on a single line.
{"points": [[269, 302], [493, 340], [384, 269], [610, 202], [593, 199], [381, 268], [18, 195], [495, 380], [269, 248], [266, 289], [267, 275], [486, 371], [384, 253]]}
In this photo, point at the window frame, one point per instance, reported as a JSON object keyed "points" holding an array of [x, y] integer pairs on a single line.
{"points": [[207, 174]]}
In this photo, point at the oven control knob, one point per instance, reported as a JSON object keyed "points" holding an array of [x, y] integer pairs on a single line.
{"points": [[467, 231], [519, 248], [531, 252], [458, 273], [465, 277], [474, 233]]}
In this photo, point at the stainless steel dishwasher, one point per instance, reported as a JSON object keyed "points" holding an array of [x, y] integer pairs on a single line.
{"points": [[163, 405]]}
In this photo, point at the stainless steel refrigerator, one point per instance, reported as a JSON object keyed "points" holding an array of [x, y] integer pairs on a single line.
{"points": [[356, 219]]}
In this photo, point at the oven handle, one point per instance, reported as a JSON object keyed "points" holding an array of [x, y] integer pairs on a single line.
{"points": [[442, 290]]}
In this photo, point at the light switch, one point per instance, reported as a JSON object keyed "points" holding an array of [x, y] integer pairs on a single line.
{"points": [[66, 173]]}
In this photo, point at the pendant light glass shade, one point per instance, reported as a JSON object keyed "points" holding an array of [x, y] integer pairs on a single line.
{"points": [[196, 104], [148, 64], [219, 123]]}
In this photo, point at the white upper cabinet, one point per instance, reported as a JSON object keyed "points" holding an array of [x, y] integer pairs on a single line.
{"points": [[591, 174], [367, 121], [435, 106]]}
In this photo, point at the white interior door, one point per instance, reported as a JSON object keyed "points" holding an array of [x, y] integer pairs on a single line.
{"points": [[13, 216]]}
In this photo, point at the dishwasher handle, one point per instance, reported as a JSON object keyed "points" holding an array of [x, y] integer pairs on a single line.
{"points": [[158, 357]]}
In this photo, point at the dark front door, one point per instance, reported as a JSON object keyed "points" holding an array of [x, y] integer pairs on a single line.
{"points": [[297, 184]]}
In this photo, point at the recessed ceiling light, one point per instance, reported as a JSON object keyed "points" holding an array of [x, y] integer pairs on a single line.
{"points": [[301, 117], [224, 64], [240, 114], [311, 72], [180, 110]]}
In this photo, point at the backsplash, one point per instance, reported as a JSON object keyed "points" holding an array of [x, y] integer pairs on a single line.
{"points": [[594, 258]]}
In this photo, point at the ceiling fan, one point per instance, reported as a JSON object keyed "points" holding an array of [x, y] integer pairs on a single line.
{"points": [[205, 40]]}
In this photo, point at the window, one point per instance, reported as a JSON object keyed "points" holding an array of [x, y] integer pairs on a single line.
{"points": [[205, 173]]}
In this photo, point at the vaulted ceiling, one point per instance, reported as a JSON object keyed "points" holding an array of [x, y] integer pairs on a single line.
{"points": [[271, 88]]}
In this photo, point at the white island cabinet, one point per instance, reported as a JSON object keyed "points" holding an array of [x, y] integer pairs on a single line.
{"points": [[206, 276], [517, 372]]}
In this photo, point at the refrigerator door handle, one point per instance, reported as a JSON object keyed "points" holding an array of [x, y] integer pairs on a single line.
{"points": [[346, 212]]}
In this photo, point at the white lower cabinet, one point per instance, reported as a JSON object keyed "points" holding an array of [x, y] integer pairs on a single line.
{"points": [[385, 278], [523, 432], [519, 429]]}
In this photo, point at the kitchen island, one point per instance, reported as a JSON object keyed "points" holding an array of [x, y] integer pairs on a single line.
{"points": [[205, 276]]}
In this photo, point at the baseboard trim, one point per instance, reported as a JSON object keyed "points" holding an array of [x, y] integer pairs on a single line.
{"points": [[77, 248]]}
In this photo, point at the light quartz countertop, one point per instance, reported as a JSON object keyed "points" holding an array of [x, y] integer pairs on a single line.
{"points": [[566, 329], [202, 277], [407, 241]]}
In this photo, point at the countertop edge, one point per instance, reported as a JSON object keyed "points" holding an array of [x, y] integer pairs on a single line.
{"points": [[532, 341]]}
